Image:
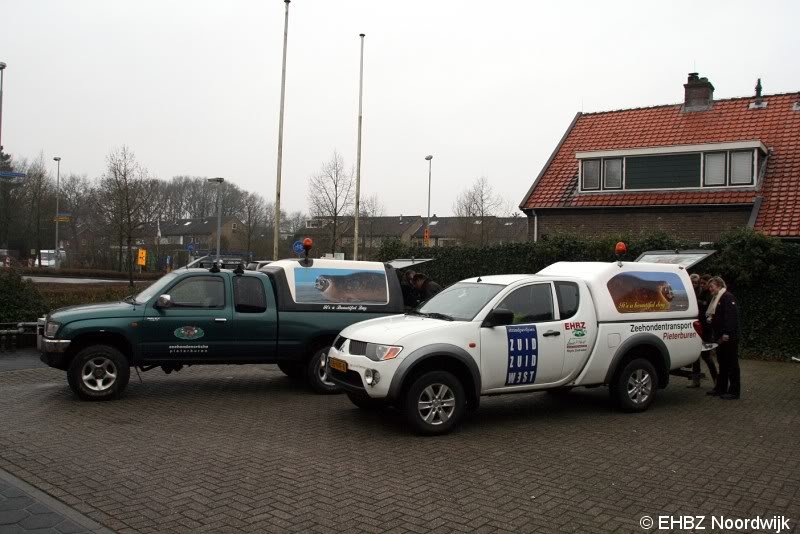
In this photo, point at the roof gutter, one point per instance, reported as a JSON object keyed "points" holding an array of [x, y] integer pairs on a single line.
{"points": [[548, 162]]}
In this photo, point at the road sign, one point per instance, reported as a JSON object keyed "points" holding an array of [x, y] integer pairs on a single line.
{"points": [[190, 248], [426, 234], [298, 249], [61, 218], [142, 259]]}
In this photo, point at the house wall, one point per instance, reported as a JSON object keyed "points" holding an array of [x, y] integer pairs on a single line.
{"points": [[696, 224]]}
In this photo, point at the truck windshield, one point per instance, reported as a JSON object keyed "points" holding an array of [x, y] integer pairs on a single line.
{"points": [[155, 289], [461, 301]]}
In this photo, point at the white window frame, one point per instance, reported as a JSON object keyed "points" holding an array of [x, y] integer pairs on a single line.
{"points": [[727, 148]]}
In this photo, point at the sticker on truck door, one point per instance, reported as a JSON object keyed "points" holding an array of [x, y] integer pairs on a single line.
{"points": [[523, 354]]}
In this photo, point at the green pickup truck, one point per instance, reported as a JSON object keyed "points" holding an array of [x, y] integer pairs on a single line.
{"points": [[289, 313]]}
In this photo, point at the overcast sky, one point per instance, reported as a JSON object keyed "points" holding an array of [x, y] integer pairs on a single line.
{"points": [[488, 88]]}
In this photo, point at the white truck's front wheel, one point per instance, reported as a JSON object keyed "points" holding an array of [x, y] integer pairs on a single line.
{"points": [[435, 402]]}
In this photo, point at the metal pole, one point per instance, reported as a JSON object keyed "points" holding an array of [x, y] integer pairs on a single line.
{"points": [[277, 231], [2, 69], [219, 219], [58, 186], [428, 221], [358, 152]]}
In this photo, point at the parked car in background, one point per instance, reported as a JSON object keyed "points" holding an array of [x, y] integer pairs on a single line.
{"points": [[257, 265]]}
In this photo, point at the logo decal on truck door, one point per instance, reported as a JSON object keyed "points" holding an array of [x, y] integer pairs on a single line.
{"points": [[189, 332], [523, 354]]}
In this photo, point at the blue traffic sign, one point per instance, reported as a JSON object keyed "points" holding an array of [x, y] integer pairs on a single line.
{"points": [[298, 248], [9, 174], [190, 247]]}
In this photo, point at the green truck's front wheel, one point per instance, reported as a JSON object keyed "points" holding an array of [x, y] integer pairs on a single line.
{"points": [[317, 373], [98, 372], [293, 370]]}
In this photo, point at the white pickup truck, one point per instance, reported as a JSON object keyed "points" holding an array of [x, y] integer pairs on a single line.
{"points": [[625, 325]]}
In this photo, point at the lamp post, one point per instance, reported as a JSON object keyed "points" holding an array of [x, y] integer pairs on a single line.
{"points": [[218, 181], [276, 235], [57, 159], [428, 221], [2, 68], [358, 151]]}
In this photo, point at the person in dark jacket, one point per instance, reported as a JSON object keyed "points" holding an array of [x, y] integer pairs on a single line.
{"points": [[723, 314], [425, 286], [410, 293], [700, 284]]}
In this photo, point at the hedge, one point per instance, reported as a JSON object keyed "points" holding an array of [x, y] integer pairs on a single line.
{"points": [[763, 272]]}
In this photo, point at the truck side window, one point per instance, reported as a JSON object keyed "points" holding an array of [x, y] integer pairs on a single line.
{"points": [[568, 299], [530, 304], [248, 295], [199, 292]]}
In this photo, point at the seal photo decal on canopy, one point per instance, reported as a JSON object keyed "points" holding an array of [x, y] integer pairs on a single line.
{"points": [[189, 332], [642, 292], [326, 286]]}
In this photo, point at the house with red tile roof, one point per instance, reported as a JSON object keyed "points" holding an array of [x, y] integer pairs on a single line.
{"points": [[693, 170]]}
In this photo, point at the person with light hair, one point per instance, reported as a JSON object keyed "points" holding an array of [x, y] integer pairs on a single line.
{"points": [[723, 316]]}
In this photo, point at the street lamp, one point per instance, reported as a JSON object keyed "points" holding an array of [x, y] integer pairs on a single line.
{"points": [[2, 68], [428, 222], [218, 181], [358, 156], [57, 159], [276, 235]]}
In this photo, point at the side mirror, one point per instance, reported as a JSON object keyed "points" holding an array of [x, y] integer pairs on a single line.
{"points": [[499, 317], [164, 301]]}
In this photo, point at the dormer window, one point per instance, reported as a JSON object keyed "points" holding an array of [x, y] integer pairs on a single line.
{"points": [[677, 167]]}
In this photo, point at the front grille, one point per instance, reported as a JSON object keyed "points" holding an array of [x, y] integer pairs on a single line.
{"points": [[350, 377], [358, 348]]}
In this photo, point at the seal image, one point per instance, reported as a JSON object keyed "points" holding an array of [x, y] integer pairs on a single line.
{"points": [[355, 287], [633, 294]]}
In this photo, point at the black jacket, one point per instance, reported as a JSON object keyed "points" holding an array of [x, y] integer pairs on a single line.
{"points": [[726, 317], [429, 289]]}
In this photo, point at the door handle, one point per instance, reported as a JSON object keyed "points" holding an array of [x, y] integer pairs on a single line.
{"points": [[551, 333], [220, 319]]}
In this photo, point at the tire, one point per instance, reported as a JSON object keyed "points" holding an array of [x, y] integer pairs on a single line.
{"points": [[98, 372], [317, 375], [435, 403], [634, 387], [293, 370], [365, 402]]}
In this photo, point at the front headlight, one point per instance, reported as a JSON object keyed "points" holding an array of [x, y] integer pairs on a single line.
{"points": [[379, 352], [50, 328]]}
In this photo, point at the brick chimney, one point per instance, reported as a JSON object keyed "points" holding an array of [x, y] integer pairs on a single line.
{"points": [[699, 93]]}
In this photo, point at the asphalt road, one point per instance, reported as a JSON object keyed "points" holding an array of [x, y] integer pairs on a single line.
{"points": [[64, 280]]}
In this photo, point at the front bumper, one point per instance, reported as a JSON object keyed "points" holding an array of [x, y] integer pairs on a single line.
{"points": [[53, 350], [353, 380]]}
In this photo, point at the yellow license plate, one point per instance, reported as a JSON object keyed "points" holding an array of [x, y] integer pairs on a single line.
{"points": [[339, 365]]}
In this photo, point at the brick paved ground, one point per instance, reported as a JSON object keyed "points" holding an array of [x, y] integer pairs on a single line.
{"points": [[241, 449]]}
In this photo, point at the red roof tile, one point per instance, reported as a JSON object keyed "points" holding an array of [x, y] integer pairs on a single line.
{"points": [[777, 127]]}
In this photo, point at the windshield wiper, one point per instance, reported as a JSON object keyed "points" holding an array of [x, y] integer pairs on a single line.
{"points": [[442, 316], [432, 315]]}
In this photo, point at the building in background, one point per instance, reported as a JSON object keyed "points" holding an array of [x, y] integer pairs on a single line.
{"points": [[694, 170]]}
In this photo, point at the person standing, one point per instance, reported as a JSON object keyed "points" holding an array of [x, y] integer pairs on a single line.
{"points": [[426, 287], [723, 314], [700, 284]]}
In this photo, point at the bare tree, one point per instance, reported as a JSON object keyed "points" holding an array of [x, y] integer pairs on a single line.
{"points": [[35, 193], [76, 194], [128, 193], [330, 193], [476, 205], [370, 208], [252, 213]]}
